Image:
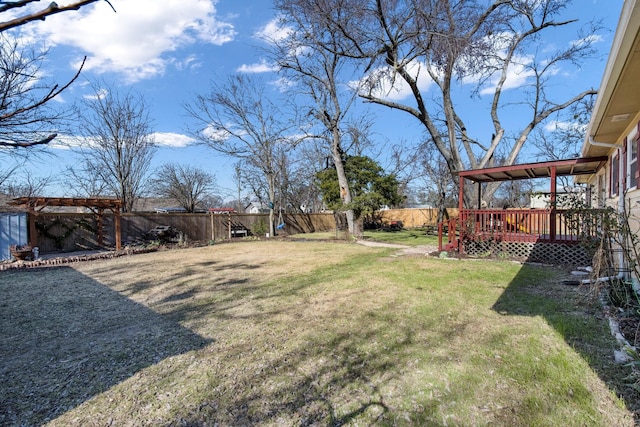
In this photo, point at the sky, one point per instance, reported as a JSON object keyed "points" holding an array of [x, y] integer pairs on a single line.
{"points": [[171, 50]]}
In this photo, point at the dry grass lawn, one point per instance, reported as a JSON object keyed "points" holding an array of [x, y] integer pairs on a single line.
{"points": [[300, 333]]}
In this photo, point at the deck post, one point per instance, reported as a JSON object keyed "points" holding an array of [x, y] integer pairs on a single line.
{"points": [[553, 202], [100, 227], [461, 220], [33, 230], [461, 195], [118, 230]]}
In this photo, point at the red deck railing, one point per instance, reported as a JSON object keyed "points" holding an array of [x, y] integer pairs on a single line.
{"points": [[519, 225]]}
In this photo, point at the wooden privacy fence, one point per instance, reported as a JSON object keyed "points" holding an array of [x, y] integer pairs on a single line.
{"points": [[65, 232], [415, 217]]}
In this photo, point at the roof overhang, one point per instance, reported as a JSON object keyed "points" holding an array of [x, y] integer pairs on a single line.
{"points": [[568, 167], [618, 101]]}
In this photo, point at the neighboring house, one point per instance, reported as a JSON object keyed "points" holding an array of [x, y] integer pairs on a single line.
{"points": [[614, 129], [564, 198], [256, 208], [154, 204]]}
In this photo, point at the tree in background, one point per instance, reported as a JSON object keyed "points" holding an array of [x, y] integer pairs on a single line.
{"points": [[81, 181], [309, 58], [372, 189], [439, 188], [238, 119], [24, 186], [297, 182], [117, 143], [563, 138], [435, 49], [188, 185]]}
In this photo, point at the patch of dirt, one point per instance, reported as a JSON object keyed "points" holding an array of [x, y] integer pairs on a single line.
{"points": [[421, 250], [630, 328]]}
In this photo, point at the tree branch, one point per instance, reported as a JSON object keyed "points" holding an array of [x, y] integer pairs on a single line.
{"points": [[42, 141], [55, 91], [40, 15]]}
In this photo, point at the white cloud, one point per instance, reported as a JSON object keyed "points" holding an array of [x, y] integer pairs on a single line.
{"points": [[163, 139], [170, 139], [215, 133], [67, 142], [590, 39], [190, 62], [273, 31], [554, 125], [283, 84], [100, 94], [261, 67], [139, 37]]}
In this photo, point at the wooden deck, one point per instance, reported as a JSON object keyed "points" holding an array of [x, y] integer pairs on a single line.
{"points": [[518, 225]]}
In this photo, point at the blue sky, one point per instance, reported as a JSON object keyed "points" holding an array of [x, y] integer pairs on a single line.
{"points": [[171, 49]]}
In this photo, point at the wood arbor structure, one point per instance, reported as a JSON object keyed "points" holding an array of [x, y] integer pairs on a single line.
{"points": [[531, 226], [33, 205]]}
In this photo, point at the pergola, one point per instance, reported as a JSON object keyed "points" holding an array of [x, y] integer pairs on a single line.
{"points": [[97, 205], [551, 169]]}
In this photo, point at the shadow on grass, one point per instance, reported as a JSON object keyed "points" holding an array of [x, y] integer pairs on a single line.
{"points": [[537, 291], [329, 380], [65, 338]]}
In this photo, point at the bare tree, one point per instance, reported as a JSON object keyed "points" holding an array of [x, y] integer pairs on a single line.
{"points": [[238, 119], [446, 45], [31, 15], [298, 187], [25, 185], [6, 174], [438, 186], [117, 142], [188, 185], [26, 116], [309, 56], [81, 181]]}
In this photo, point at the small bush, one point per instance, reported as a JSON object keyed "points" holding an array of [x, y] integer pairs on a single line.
{"points": [[260, 228]]}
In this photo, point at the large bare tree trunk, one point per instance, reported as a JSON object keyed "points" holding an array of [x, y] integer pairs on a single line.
{"points": [[272, 198], [345, 191]]}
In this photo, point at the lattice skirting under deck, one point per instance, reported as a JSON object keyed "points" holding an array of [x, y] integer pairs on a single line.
{"points": [[551, 253]]}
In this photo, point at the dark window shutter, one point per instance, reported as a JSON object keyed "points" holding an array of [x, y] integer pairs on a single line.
{"points": [[637, 177], [623, 165], [613, 185]]}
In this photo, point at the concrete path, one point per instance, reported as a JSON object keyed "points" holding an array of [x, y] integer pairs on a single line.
{"points": [[404, 249]]}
